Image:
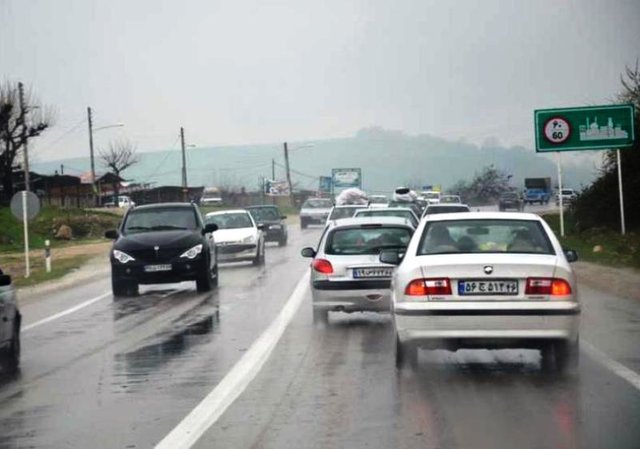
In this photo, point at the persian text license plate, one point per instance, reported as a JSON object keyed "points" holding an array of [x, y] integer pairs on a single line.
{"points": [[359, 273], [156, 268], [493, 287]]}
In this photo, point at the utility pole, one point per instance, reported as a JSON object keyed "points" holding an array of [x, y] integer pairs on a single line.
{"points": [[25, 146], [185, 189], [93, 162], [286, 163], [273, 169]]}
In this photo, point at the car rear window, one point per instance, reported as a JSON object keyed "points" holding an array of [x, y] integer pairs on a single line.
{"points": [[484, 236], [264, 213], [317, 204], [366, 240], [160, 219], [445, 209], [389, 213], [343, 212]]}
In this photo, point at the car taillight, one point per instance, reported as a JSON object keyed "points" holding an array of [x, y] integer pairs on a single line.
{"points": [[547, 286], [429, 286], [322, 266]]}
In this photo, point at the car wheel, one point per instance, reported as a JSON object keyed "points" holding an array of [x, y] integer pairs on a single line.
{"points": [[214, 276], [320, 316], [546, 357], [282, 241], [204, 281], [303, 223], [11, 358], [121, 288], [567, 355], [259, 259], [406, 355]]}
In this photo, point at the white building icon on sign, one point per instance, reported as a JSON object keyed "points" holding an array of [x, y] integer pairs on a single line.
{"points": [[592, 131]]}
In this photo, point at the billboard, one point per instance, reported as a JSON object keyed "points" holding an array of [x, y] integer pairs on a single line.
{"points": [[274, 187], [345, 178]]}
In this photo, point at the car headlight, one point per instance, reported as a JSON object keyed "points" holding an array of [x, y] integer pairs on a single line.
{"points": [[122, 257], [193, 252], [249, 239]]}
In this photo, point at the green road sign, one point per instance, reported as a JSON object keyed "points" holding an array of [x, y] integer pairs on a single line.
{"points": [[585, 128]]}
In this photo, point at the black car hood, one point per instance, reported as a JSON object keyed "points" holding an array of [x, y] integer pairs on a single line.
{"points": [[163, 239], [269, 222]]}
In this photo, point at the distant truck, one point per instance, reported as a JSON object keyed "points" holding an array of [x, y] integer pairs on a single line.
{"points": [[211, 197], [537, 190]]}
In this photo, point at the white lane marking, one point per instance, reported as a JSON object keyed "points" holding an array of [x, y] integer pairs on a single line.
{"points": [[617, 368], [207, 412], [66, 312]]}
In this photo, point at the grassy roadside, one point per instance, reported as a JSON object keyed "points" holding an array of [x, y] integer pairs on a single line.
{"points": [[39, 274], [598, 245]]}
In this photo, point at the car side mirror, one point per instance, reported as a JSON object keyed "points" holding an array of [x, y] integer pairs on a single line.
{"points": [[111, 234], [209, 228], [390, 256], [283, 217], [571, 255], [308, 252], [260, 227], [5, 280]]}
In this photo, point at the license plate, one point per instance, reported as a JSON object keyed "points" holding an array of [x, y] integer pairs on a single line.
{"points": [[359, 273], [493, 287], [156, 268]]}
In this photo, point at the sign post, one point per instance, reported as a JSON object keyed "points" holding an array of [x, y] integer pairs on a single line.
{"points": [[586, 128], [25, 206]]}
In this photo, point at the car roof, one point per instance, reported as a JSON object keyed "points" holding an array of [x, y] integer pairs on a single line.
{"points": [[441, 205], [338, 206], [257, 206], [230, 211], [357, 221], [163, 205], [484, 216]]}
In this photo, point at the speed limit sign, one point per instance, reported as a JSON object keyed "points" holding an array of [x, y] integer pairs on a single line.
{"points": [[557, 130]]}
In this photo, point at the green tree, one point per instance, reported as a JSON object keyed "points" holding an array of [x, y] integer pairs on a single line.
{"points": [[485, 187]]}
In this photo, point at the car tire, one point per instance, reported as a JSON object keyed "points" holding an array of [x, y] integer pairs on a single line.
{"points": [[204, 281], [303, 223], [567, 356], [11, 358], [215, 276], [122, 288], [406, 355], [320, 316], [282, 241], [259, 259]]}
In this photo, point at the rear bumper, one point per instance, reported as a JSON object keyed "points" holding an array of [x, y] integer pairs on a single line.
{"points": [[496, 325], [351, 296], [318, 219]]}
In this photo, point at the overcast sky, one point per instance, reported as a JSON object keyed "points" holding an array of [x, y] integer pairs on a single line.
{"points": [[236, 72]]}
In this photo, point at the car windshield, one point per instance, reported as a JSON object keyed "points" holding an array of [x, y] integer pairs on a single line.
{"points": [[431, 210], [567, 192], [509, 196], [484, 236], [366, 240], [406, 213], [160, 219], [234, 220], [450, 199], [264, 213], [317, 204], [344, 212]]}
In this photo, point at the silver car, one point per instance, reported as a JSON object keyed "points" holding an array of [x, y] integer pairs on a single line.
{"points": [[485, 279], [346, 275], [315, 211]]}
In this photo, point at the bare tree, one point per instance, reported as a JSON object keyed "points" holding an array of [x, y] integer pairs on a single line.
{"points": [[120, 155], [17, 126]]}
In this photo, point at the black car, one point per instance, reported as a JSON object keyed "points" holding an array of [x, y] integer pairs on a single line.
{"points": [[275, 228], [163, 243], [10, 320], [510, 200]]}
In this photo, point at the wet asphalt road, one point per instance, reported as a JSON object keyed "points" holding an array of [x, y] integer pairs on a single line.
{"points": [[122, 374]]}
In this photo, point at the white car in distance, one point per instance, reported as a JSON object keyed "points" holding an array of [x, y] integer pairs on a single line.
{"points": [[239, 237], [485, 280]]}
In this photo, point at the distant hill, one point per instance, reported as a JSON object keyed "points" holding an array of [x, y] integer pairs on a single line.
{"points": [[387, 159]]}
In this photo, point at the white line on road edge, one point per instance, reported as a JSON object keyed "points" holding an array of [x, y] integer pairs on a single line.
{"points": [[617, 368], [207, 412], [65, 312]]}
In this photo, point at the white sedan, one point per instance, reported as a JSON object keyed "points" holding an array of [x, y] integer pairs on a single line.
{"points": [[238, 237], [485, 280]]}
